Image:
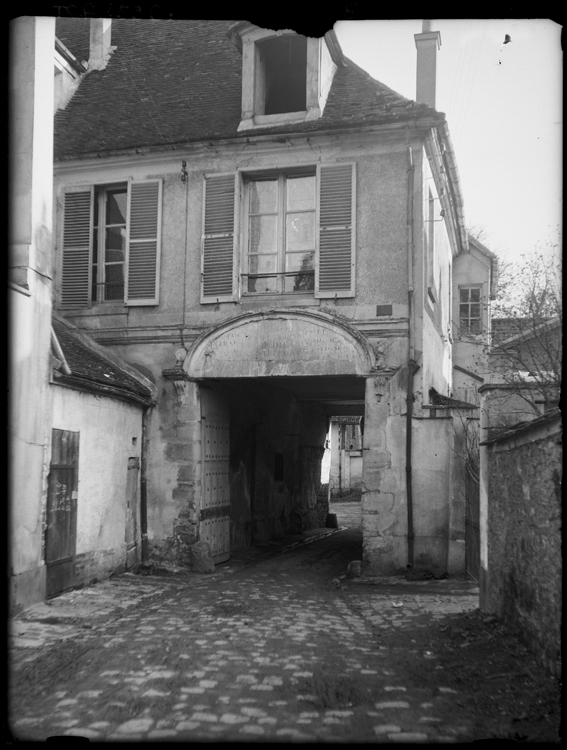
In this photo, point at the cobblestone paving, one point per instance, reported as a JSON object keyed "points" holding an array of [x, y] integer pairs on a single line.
{"points": [[267, 652]]}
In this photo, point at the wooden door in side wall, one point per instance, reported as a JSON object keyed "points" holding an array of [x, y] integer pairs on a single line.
{"points": [[214, 519], [61, 527], [132, 511]]}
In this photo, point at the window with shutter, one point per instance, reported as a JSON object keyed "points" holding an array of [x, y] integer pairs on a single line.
{"points": [[143, 246], [111, 244], [218, 271], [297, 233], [335, 267], [77, 242]]}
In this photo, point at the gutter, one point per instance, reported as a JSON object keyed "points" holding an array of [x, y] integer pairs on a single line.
{"points": [[250, 137], [454, 182]]}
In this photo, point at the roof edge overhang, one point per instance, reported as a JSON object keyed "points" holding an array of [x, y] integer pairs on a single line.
{"points": [[85, 385], [176, 150]]}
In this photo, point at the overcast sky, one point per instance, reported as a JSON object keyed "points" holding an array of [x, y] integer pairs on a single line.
{"points": [[504, 109]]}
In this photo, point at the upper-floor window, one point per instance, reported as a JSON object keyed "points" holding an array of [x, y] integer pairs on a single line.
{"points": [[431, 259], [279, 232], [111, 244], [470, 310]]}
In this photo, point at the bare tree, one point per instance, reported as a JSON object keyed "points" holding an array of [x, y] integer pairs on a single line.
{"points": [[525, 350]]}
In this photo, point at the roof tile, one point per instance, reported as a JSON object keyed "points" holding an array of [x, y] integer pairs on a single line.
{"points": [[93, 367]]}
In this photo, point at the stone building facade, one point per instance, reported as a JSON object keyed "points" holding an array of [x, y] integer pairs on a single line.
{"points": [[271, 251]]}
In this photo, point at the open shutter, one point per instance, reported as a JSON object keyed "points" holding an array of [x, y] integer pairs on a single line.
{"points": [[143, 242], [335, 266], [219, 266], [77, 242]]}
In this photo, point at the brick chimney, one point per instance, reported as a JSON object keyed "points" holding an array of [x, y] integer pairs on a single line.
{"points": [[427, 43], [100, 48]]}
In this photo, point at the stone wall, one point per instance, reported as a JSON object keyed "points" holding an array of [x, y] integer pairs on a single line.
{"points": [[522, 584]]}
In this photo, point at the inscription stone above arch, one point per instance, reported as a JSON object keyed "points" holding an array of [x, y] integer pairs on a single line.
{"points": [[279, 344]]}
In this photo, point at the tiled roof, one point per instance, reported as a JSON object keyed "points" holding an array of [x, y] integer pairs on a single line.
{"points": [[75, 35], [524, 327], [93, 369], [173, 82]]}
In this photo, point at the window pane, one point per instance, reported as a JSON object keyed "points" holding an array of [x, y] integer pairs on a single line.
{"points": [[95, 244], [301, 282], [263, 197], [114, 285], [262, 263], [475, 295], [267, 284], [475, 326], [262, 234], [115, 241], [464, 295], [94, 284], [464, 312], [475, 311], [116, 207], [300, 193], [300, 232], [300, 261]]}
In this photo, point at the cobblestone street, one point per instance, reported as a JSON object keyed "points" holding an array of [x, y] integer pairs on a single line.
{"points": [[272, 647]]}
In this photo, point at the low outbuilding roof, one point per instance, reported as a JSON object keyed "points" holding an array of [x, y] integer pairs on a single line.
{"points": [[85, 367]]}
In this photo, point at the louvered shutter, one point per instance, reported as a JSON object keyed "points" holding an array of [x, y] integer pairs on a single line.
{"points": [[77, 240], [335, 267], [219, 266], [143, 242]]}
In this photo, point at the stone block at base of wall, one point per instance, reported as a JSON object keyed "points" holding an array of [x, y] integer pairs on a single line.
{"points": [[201, 558], [26, 588], [98, 565]]}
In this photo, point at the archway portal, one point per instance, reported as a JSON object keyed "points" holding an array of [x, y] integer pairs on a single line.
{"points": [[269, 384]]}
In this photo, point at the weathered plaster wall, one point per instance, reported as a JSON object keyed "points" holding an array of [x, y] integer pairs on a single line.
{"points": [[381, 234], [29, 439], [523, 581], [30, 256], [471, 269], [435, 269], [110, 434]]}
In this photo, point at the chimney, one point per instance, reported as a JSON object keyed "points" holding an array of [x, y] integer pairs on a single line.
{"points": [[427, 43], [100, 48]]}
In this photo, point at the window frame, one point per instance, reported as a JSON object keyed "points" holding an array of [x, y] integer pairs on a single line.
{"points": [[280, 177], [99, 284], [335, 232], [467, 331], [142, 247]]}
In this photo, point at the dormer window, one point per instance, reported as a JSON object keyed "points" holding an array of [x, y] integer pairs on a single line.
{"points": [[281, 76]]}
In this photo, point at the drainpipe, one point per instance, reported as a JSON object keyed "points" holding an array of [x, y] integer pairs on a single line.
{"points": [[143, 486], [412, 365]]}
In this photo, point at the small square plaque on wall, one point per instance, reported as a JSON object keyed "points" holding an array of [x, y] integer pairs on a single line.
{"points": [[382, 310]]}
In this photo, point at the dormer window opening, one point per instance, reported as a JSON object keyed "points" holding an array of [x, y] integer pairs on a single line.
{"points": [[282, 75]]}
